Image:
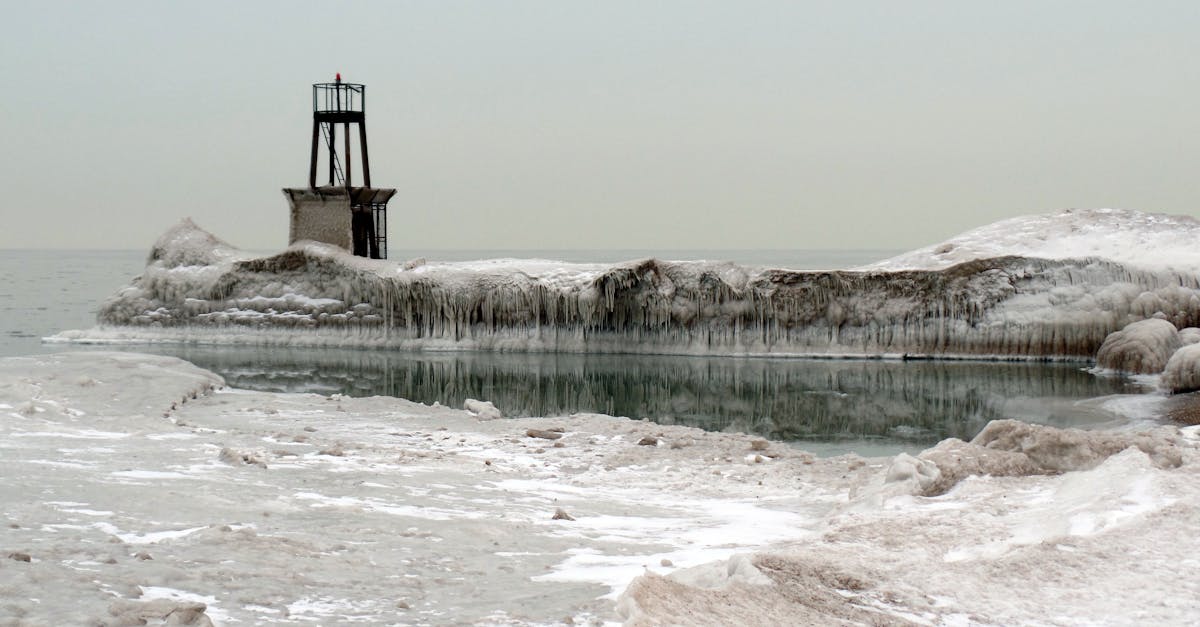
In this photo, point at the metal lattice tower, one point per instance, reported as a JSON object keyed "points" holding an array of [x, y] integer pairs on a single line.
{"points": [[317, 213]]}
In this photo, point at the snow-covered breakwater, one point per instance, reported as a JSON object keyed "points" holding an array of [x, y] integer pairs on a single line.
{"points": [[1029, 304]]}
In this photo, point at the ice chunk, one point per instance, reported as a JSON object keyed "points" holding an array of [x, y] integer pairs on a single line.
{"points": [[482, 410]]}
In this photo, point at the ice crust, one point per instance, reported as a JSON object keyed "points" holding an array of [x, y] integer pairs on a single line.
{"points": [[994, 300]]}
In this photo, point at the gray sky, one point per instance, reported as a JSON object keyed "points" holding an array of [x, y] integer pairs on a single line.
{"points": [[655, 125]]}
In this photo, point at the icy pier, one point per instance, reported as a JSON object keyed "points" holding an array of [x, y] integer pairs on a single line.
{"points": [[1041, 287]]}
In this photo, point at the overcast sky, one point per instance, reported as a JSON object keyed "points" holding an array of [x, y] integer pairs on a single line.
{"points": [[648, 125]]}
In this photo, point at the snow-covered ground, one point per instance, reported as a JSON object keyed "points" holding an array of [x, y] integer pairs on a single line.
{"points": [[136, 488]]}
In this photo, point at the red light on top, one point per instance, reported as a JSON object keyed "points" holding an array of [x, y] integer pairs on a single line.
{"points": [[339, 77]]}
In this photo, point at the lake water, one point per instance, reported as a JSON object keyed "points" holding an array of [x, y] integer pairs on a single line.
{"points": [[866, 406]]}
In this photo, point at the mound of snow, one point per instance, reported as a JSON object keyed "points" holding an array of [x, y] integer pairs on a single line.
{"points": [[1148, 240], [1182, 372], [1142, 347], [186, 244]]}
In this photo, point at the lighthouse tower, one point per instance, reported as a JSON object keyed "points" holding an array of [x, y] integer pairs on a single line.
{"points": [[338, 212]]}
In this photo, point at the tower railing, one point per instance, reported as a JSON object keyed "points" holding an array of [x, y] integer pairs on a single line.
{"points": [[339, 97]]}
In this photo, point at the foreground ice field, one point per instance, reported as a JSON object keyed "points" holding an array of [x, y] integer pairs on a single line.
{"points": [[136, 487]]}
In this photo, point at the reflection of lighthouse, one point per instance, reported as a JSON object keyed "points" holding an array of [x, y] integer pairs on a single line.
{"points": [[338, 213]]}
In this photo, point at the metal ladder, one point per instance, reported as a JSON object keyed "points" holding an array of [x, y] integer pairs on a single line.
{"points": [[339, 178]]}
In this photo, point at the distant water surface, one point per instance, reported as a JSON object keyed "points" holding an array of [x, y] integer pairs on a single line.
{"points": [[866, 406]]}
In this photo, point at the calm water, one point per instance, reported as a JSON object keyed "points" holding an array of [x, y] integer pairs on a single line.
{"points": [[869, 406]]}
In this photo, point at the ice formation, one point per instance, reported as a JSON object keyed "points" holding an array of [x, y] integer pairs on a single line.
{"points": [[1142, 347], [1182, 372], [1011, 448], [195, 288]]}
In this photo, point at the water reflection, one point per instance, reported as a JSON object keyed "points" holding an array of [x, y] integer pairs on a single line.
{"points": [[814, 400]]}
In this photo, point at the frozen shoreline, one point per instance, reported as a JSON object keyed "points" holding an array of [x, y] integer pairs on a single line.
{"points": [[293, 508]]}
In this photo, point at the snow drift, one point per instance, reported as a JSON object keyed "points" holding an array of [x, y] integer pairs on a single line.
{"points": [[1035, 303]]}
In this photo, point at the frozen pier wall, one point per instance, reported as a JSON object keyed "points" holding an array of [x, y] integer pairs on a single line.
{"points": [[195, 288]]}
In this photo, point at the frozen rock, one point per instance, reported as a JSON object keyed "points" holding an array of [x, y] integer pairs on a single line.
{"points": [[1062, 450], [170, 612], [956, 460], [333, 451], [919, 474], [1182, 373], [765, 589], [240, 458], [1010, 448], [545, 434], [1141, 347], [483, 410]]}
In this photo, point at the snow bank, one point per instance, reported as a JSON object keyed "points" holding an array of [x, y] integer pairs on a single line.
{"points": [[1142, 347], [317, 295], [1182, 372], [1134, 238]]}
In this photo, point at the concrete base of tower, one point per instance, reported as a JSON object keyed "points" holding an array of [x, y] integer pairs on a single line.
{"points": [[350, 218]]}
